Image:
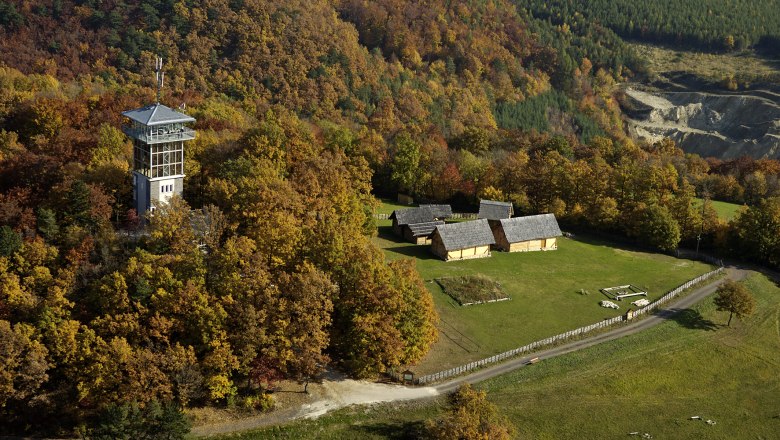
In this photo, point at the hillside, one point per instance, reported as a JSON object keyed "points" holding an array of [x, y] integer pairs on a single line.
{"points": [[265, 268], [708, 24]]}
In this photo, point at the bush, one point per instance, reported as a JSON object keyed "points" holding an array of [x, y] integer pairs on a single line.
{"points": [[261, 402], [154, 421]]}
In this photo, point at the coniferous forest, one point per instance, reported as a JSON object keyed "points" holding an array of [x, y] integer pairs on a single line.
{"points": [[715, 25], [305, 111]]}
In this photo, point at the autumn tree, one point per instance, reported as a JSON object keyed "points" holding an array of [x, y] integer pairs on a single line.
{"points": [[309, 297], [734, 298], [471, 417], [24, 365], [417, 317]]}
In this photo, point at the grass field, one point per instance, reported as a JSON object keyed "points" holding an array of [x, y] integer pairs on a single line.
{"points": [[544, 288], [726, 211], [388, 206], [706, 65], [650, 382]]}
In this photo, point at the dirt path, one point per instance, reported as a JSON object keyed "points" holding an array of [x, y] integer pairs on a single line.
{"points": [[339, 393]]}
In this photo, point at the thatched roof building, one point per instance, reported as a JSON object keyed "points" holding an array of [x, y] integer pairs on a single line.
{"points": [[531, 233], [493, 210], [460, 241]]}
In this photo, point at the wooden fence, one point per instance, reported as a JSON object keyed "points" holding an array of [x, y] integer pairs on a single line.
{"points": [[435, 377], [455, 215]]}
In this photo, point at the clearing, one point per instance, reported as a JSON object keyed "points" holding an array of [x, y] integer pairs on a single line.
{"points": [[726, 211], [546, 291], [706, 65]]}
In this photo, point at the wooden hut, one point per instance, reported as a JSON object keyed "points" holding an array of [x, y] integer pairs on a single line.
{"points": [[493, 210], [417, 224], [460, 241], [420, 233], [531, 233]]}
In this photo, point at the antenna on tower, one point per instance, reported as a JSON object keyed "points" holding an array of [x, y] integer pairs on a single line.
{"points": [[158, 64]]}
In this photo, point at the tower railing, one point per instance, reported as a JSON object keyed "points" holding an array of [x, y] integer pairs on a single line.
{"points": [[182, 134]]}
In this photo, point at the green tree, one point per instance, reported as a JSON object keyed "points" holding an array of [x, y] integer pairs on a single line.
{"points": [[470, 417], [405, 165], [655, 226], [756, 232], [10, 241], [734, 298], [131, 421], [47, 223], [77, 209]]}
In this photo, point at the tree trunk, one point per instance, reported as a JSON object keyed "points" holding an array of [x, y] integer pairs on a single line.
{"points": [[306, 387], [728, 324]]}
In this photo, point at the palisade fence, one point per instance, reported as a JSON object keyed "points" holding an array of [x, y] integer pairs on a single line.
{"points": [[455, 215], [561, 337]]}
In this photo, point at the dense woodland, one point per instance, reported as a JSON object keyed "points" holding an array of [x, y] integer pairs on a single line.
{"points": [[720, 25], [305, 110]]}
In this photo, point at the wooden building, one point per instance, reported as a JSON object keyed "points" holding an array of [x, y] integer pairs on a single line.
{"points": [[493, 210], [461, 241], [420, 233], [522, 234], [417, 224]]}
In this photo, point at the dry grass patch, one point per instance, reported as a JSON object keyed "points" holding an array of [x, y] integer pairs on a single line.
{"points": [[470, 290]]}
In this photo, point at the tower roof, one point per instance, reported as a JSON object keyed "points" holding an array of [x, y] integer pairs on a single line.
{"points": [[157, 114]]}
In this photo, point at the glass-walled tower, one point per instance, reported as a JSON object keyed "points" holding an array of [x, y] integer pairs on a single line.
{"points": [[158, 134]]}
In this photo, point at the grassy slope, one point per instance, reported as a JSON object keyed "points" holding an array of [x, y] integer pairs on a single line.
{"points": [[388, 206], [726, 211], [649, 382], [543, 287]]}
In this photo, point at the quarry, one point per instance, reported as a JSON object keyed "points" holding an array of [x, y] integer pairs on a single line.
{"points": [[708, 123]]}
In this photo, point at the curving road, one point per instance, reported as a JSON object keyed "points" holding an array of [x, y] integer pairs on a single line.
{"points": [[347, 392]]}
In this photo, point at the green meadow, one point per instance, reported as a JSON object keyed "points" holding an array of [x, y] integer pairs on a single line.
{"points": [[651, 382], [726, 211], [551, 292]]}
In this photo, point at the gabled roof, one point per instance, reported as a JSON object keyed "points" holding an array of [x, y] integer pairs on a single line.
{"points": [[157, 114], [532, 227], [493, 210], [439, 211], [465, 234], [424, 229], [411, 216]]}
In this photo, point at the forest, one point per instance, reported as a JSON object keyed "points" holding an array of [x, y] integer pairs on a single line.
{"points": [[713, 25], [305, 111]]}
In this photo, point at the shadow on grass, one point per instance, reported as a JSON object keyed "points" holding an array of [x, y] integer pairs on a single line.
{"points": [[689, 318], [395, 431], [422, 252]]}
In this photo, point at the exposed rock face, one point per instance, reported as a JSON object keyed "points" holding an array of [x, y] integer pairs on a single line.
{"points": [[708, 124]]}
